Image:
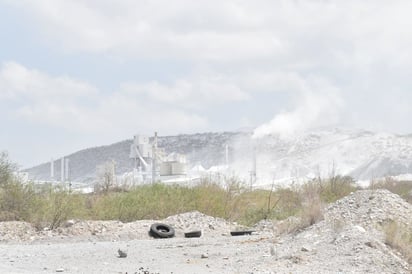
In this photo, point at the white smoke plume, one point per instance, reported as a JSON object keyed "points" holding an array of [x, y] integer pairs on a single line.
{"points": [[318, 105]]}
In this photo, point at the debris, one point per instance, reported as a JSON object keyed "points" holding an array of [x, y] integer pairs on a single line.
{"points": [[122, 254], [371, 244], [160, 230], [241, 233], [193, 234], [272, 251]]}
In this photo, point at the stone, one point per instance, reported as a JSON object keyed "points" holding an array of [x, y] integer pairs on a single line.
{"points": [[122, 254]]}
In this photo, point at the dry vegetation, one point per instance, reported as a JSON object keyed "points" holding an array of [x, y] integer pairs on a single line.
{"points": [[49, 206], [399, 238], [402, 188]]}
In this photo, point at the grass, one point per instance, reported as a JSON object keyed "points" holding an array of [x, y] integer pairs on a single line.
{"points": [[51, 206], [296, 207], [402, 188], [399, 238]]}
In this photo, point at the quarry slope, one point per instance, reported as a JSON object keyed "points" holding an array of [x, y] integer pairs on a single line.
{"points": [[364, 155]]}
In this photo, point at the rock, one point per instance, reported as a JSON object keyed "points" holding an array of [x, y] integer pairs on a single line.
{"points": [[371, 244], [272, 251], [69, 223], [204, 256], [122, 254], [361, 229], [60, 270]]}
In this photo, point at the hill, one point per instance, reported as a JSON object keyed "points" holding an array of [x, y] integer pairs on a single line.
{"points": [[362, 154]]}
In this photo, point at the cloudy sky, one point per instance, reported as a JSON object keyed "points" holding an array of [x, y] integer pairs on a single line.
{"points": [[81, 73]]}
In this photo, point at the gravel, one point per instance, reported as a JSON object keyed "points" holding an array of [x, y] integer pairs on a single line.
{"points": [[348, 240]]}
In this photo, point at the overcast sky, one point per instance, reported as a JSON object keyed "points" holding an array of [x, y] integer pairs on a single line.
{"points": [[81, 73]]}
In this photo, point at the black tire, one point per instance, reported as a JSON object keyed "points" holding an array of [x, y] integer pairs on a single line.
{"points": [[159, 230], [193, 234], [240, 233]]}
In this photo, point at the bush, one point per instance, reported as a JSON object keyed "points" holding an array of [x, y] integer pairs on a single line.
{"points": [[6, 169], [56, 206], [399, 238], [49, 206], [335, 188], [402, 188], [17, 201]]}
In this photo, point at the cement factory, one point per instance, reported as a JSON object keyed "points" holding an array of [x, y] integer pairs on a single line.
{"points": [[151, 164]]}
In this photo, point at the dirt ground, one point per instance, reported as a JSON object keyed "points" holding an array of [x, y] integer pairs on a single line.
{"points": [[178, 255], [346, 241]]}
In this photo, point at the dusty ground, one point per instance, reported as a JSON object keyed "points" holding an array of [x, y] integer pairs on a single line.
{"points": [[345, 242]]}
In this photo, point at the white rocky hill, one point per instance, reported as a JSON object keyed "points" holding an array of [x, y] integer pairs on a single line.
{"points": [[364, 155], [361, 154]]}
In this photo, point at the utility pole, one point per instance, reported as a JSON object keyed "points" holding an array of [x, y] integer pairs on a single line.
{"points": [[52, 170], [114, 178], [67, 173], [62, 163], [154, 152], [227, 155], [253, 171]]}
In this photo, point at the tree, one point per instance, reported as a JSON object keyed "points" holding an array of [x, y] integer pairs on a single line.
{"points": [[6, 169], [16, 199], [106, 177]]}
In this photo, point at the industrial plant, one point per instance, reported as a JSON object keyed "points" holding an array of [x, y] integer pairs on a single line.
{"points": [[151, 164]]}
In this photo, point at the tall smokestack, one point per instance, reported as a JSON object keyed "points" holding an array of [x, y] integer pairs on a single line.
{"points": [[67, 169], [154, 158], [52, 169], [227, 155], [62, 170], [253, 171]]}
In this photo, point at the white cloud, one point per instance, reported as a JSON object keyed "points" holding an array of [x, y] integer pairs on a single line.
{"points": [[245, 48], [126, 112], [195, 92], [303, 33], [19, 81], [67, 103], [211, 30]]}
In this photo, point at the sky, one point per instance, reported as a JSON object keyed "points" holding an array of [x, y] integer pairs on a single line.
{"points": [[84, 73]]}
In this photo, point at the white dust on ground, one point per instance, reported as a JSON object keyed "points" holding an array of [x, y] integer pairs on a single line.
{"points": [[348, 240]]}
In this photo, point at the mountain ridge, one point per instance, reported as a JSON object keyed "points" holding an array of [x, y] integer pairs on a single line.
{"points": [[362, 154]]}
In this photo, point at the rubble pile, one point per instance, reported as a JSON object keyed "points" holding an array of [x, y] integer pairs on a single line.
{"points": [[196, 220], [16, 232], [350, 239], [370, 208]]}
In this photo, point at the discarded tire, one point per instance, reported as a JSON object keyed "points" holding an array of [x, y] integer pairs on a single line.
{"points": [[159, 230], [193, 234], [240, 233]]}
